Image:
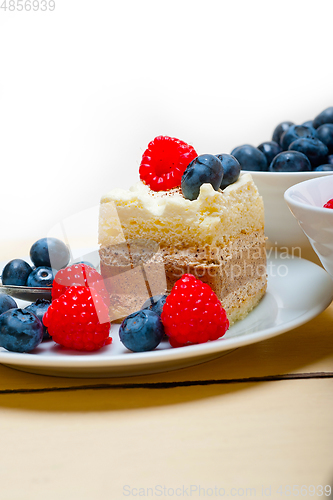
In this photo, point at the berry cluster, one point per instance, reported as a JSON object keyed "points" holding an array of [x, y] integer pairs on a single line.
{"points": [[191, 314], [169, 163], [78, 316], [293, 148], [47, 255]]}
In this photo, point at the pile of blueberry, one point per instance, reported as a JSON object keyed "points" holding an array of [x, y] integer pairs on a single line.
{"points": [[293, 148], [21, 330], [48, 255]]}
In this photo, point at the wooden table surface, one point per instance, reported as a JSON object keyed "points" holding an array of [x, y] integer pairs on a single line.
{"points": [[255, 422]]}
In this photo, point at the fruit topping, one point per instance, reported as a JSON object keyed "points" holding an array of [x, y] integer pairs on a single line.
{"points": [[79, 320], [6, 303], [203, 169], [231, 169], [164, 161], [79, 275], [16, 272], [141, 331], [20, 330], [41, 277], [192, 313], [49, 252], [329, 204], [290, 161], [250, 158], [39, 308]]}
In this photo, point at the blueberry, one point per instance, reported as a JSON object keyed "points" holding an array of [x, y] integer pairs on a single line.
{"points": [[41, 277], [16, 272], [325, 134], [141, 331], [279, 131], [155, 304], [290, 161], [314, 149], [39, 308], [49, 252], [270, 150], [330, 159], [20, 330], [327, 167], [308, 123], [6, 303], [296, 132], [231, 169], [325, 116], [250, 158], [202, 169]]}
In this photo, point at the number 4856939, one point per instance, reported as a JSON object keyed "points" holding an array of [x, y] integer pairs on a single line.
{"points": [[27, 5]]}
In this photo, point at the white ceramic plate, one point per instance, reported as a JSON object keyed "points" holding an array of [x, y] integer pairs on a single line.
{"points": [[298, 290]]}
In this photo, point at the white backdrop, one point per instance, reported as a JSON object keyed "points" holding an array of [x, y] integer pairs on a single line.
{"points": [[84, 88]]}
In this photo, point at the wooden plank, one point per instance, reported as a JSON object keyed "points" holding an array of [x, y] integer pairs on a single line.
{"points": [[91, 444]]}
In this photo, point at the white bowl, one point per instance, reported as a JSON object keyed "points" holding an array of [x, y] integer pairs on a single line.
{"points": [[306, 201], [281, 229]]}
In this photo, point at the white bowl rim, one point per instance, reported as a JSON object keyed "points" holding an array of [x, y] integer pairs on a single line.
{"points": [[291, 201], [311, 173]]}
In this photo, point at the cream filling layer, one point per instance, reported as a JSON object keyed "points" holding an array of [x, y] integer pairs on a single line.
{"points": [[170, 219]]}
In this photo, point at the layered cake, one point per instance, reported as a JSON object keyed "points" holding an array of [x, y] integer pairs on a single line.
{"points": [[149, 239]]}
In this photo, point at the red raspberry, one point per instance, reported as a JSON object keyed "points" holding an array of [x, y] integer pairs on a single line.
{"points": [[192, 313], [79, 275], [329, 204], [164, 162], [79, 320]]}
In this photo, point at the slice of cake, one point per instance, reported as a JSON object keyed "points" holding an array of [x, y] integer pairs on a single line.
{"points": [[149, 239]]}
